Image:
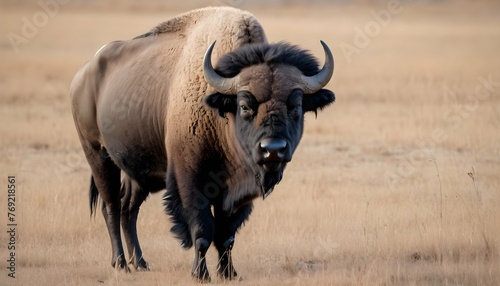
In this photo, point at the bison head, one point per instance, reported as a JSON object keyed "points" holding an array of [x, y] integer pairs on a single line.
{"points": [[266, 89]]}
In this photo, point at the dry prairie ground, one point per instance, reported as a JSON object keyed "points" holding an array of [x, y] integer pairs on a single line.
{"points": [[397, 184]]}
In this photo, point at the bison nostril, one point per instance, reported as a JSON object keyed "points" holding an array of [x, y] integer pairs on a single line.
{"points": [[282, 151], [273, 148], [262, 149]]}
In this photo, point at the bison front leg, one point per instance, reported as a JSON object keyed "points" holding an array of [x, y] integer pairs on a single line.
{"points": [[200, 270], [225, 229], [225, 267], [202, 229]]}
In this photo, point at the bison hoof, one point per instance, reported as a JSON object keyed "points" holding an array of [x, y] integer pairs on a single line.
{"points": [[202, 277], [142, 265], [120, 265], [228, 274]]}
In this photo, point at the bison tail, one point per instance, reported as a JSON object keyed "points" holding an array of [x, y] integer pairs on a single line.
{"points": [[93, 196], [180, 228]]}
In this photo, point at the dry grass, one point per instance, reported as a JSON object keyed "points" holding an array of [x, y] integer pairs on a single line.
{"points": [[370, 198]]}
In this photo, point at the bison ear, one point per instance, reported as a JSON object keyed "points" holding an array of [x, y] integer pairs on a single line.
{"points": [[222, 102], [317, 100]]}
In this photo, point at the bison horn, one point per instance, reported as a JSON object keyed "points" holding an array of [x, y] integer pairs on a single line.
{"points": [[311, 84], [221, 84]]}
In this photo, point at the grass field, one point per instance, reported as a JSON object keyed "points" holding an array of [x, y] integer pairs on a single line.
{"points": [[397, 184]]}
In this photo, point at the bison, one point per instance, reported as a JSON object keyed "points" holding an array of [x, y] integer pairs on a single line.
{"points": [[152, 113]]}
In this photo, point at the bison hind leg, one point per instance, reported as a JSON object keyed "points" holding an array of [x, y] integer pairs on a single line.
{"points": [[105, 183], [132, 196]]}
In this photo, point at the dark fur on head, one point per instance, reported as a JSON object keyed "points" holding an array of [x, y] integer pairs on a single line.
{"points": [[232, 63]]}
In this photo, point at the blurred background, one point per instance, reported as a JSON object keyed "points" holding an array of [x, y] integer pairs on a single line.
{"points": [[397, 183]]}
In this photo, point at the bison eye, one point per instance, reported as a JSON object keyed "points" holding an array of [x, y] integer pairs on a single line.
{"points": [[295, 113], [292, 108], [245, 111], [294, 104]]}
